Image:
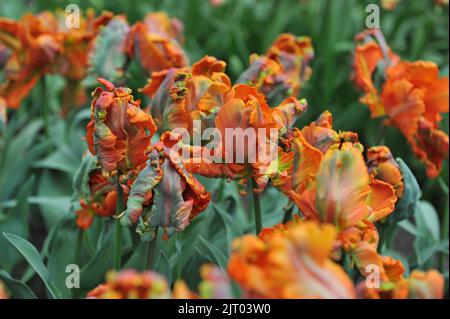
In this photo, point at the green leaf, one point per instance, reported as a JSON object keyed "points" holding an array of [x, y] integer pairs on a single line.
{"points": [[406, 206], [227, 225], [15, 220], [163, 266], [212, 253], [108, 58], [80, 182], [424, 250], [427, 243], [61, 252], [56, 185], [23, 146], [95, 270], [409, 227], [427, 221], [17, 289], [30, 253], [63, 159]]}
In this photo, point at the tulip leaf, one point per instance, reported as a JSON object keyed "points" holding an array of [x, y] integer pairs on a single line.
{"points": [[163, 266], [15, 221], [108, 58], [32, 256], [406, 206], [81, 178], [427, 220], [62, 159], [61, 252], [57, 185], [94, 271], [17, 288], [212, 253], [427, 243]]}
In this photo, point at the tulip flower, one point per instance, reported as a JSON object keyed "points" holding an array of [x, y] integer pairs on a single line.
{"points": [[419, 285], [3, 114], [412, 97], [329, 180], [296, 264], [107, 56], [129, 284], [95, 194], [34, 44], [382, 166], [119, 131], [283, 70], [155, 42], [215, 284], [426, 285], [164, 194], [39, 44], [184, 95], [246, 110], [3, 294]]}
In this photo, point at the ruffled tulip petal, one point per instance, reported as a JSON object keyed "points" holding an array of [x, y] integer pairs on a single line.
{"points": [[342, 188]]}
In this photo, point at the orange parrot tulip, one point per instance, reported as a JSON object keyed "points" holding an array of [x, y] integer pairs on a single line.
{"points": [[295, 264], [34, 45], [283, 70], [412, 97], [246, 110], [119, 131], [164, 193], [181, 96], [155, 42], [129, 284]]}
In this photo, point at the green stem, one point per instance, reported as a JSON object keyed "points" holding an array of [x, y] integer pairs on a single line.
{"points": [[257, 210], [44, 106], [78, 246], [88, 244], [118, 230], [444, 234], [151, 251], [380, 134], [288, 214]]}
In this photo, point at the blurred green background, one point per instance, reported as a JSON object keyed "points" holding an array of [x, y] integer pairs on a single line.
{"points": [[415, 29]]}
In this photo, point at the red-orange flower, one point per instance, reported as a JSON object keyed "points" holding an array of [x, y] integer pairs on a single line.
{"points": [[3, 294], [119, 131], [34, 44], [246, 111], [283, 70], [413, 97], [419, 285], [41, 44], [96, 195], [329, 180], [155, 42], [382, 166], [129, 284], [72, 62], [295, 264], [426, 285], [215, 284], [107, 56], [164, 193], [181, 96], [3, 114]]}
